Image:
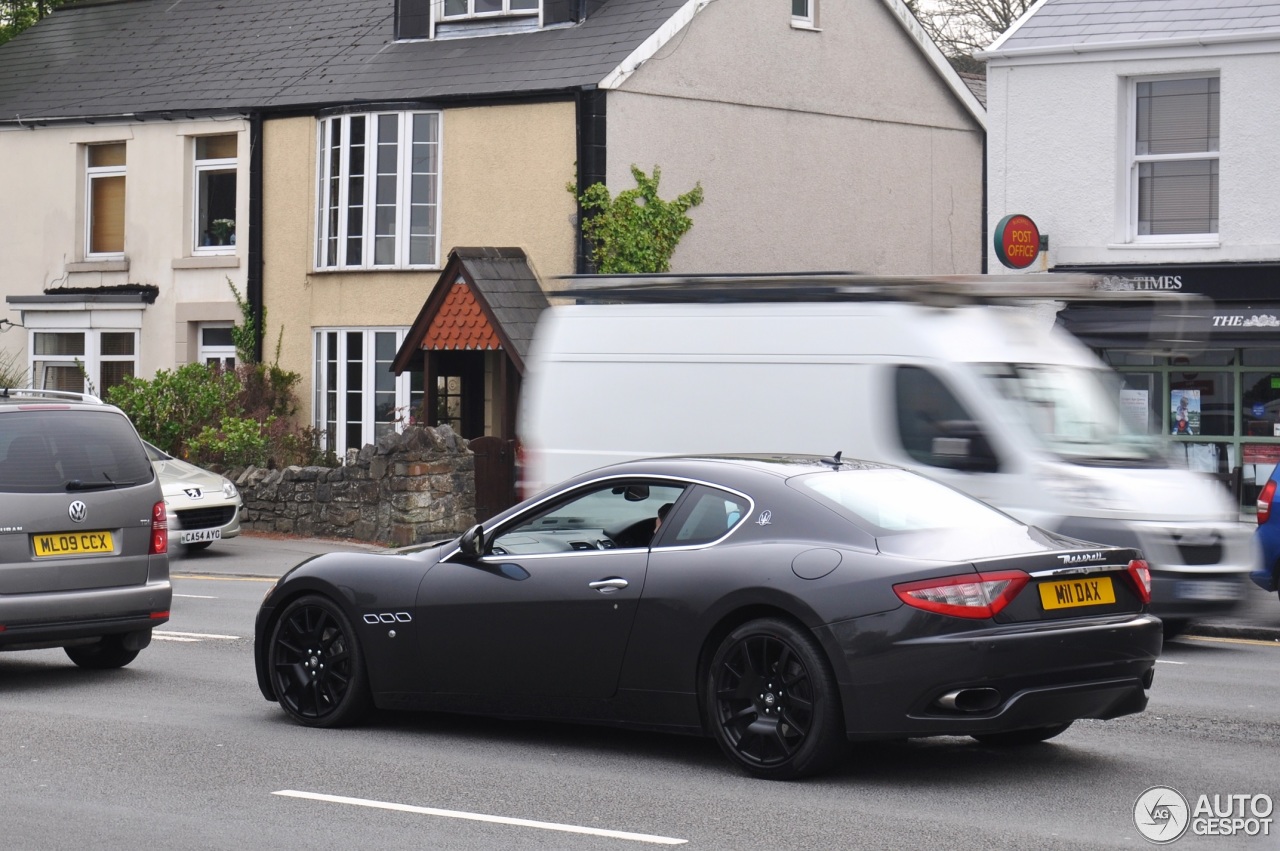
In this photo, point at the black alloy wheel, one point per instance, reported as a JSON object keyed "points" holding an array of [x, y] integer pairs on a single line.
{"points": [[1013, 738], [110, 652], [772, 702], [316, 668]]}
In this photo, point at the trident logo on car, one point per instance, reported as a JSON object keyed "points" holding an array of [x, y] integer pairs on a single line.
{"points": [[77, 511]]}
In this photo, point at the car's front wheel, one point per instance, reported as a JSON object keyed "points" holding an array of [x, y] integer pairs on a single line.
{"points": [[317, 670], [772, 702], [110, 652]]}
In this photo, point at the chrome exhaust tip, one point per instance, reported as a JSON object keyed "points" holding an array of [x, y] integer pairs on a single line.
{"points": [[970, 700]]}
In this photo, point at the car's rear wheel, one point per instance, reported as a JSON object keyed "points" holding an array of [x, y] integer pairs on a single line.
{"points": [[316, 666], [110, 652], [772, 702], [1022, 737]]}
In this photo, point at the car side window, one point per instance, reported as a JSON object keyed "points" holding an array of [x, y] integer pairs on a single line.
{"points": [[615, 515], [934, 426], [709, 516]]}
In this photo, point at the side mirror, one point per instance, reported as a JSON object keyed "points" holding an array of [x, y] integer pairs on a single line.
{"points": [[471, 544]]}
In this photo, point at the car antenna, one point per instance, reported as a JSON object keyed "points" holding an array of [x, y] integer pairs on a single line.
{"points": [[834, 460]]}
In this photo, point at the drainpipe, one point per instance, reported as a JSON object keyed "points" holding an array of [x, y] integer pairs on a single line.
{"points": [[253, 284]]}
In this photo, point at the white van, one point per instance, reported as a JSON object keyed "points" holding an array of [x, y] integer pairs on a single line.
{"points": [[995, 401]]}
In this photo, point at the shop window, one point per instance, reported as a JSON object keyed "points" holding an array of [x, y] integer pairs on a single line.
{"points": [[1201, 403]]}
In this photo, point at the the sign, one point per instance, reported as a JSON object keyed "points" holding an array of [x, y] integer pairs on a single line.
{"points": [[1017, 241]]}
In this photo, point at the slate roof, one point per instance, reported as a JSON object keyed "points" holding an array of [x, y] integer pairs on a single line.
{"points": [[139, 57], [501, 284], [1103, 23]]}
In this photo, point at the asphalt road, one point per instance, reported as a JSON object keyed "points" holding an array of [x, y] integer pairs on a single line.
{"points": [[179, 750]]}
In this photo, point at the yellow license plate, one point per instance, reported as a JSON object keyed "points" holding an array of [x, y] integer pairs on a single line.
{"points": [[73, 543], [1085, 591]]}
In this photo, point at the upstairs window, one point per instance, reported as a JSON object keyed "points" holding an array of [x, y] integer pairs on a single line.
{"points": [[215, 194], [379, 191], [482, 8], [1174, 164], [803, 13], [104, 202]]}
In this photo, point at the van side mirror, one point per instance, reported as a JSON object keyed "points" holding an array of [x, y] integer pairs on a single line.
{"points": [[471, 544]]}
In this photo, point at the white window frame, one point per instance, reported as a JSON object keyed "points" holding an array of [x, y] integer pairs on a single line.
{"points": [[91, 361], [199, 168], [1136, 160], [92, 175], [368, 392], [341, 183], [807, 21], [505, 12], [225, 355]]}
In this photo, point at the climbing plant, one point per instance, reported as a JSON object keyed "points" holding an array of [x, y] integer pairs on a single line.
{"points": [[637, 231]]}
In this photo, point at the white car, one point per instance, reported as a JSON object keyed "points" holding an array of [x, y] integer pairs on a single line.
{"points": [[203, 507]]}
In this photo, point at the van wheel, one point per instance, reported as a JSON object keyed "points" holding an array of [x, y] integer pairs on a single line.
{"points": [[110, 652], [772, 702], [316, 667]]}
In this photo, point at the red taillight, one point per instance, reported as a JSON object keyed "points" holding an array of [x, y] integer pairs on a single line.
{"points": [[973, 595], [1141, 575], [1264, 501], [159, 530]]}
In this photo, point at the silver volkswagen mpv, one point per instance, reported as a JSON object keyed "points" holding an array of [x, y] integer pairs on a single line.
{"points": [[83, 534]]}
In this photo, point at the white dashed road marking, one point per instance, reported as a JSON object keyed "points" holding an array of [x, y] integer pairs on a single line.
{"points": [[516, 822], [168, 635]]}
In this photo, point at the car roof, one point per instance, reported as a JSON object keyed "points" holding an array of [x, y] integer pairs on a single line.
{"points": [[29, 396], [784, 465]]}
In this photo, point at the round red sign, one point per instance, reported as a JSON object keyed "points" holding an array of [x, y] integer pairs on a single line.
{"points": [[1017, 241]]}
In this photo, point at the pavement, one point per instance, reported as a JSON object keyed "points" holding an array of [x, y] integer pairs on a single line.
{"points": [[1256, 618]]}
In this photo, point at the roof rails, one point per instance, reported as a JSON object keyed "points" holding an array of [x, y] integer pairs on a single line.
{"points": [[938, 290], [32, 392]]}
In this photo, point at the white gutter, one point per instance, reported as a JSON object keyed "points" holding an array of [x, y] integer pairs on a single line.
{"points": [[1215, 39]]}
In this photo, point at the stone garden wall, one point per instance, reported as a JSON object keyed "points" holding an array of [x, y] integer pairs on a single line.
{"points": [[407, 488]]}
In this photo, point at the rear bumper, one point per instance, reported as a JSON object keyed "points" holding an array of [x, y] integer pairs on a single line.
{"points": [[52, 619], [1034, 675]]}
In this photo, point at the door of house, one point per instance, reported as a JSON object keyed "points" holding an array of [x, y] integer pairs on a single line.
{"points": [[495, 475]]}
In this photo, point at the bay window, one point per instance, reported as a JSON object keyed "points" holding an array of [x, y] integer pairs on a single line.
{"points": [[357, 397]]}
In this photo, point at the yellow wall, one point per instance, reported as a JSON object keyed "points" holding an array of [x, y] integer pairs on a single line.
{"points": [[503, 170]]}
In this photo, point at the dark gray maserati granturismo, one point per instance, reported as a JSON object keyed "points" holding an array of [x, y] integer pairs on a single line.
{"points": [[784, 605]]}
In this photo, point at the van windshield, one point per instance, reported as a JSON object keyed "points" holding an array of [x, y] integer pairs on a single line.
{"points": [[1074, 412]]}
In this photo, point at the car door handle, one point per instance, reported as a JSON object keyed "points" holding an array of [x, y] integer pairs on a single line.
{"points": [[608, 586]]}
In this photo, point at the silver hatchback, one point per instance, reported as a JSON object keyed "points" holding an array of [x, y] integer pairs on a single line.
{"points": [[84, 536]]}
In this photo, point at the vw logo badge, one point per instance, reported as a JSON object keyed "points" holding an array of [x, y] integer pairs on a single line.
{"points": [[77, 511]]}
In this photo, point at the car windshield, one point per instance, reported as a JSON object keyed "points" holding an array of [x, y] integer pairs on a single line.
{"points": [[892, 500], [1074, 412]]}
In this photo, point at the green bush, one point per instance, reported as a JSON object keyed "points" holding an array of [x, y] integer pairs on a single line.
{"points": [[176, 405], [222, 418]]}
